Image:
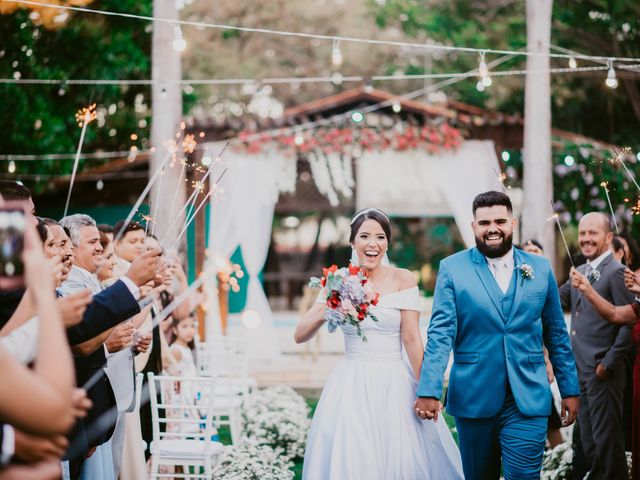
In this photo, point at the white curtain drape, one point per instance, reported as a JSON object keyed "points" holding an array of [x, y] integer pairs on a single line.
{"points": [[255, 218], [242, 215], [414, 183]]}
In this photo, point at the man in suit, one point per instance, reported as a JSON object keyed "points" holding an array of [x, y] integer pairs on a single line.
{"points": [[600, 349], [496, 307], [109, 307]]}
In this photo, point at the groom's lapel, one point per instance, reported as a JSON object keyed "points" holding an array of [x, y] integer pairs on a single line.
{"points": [[521, 284], [488, 282]]}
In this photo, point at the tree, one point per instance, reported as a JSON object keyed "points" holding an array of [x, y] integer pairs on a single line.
{"points": [[39, 119]]}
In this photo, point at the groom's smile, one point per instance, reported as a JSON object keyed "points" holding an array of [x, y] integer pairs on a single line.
{"points": [[493, 229]]}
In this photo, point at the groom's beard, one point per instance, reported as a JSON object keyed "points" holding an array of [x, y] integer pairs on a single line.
{"points": [[495, 251]]}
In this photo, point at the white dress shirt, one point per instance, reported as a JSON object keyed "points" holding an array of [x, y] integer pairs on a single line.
{"points": [[594, 264], [22, 343], [502, 269]]}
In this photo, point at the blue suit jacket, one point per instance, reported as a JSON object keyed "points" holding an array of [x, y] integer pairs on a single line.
{"points": [[492, 350]]}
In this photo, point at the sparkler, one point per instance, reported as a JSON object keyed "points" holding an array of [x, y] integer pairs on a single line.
{"points": [[84, 117], [204, 200], [556, 217], [605, 185], [144, 193], [619, 157]]}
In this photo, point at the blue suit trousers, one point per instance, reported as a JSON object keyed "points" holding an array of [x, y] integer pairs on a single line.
{"points": [[518, 439]]}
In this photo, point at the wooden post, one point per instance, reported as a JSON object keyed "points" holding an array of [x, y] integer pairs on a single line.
{"points": [[537, 168], [166, 96]]}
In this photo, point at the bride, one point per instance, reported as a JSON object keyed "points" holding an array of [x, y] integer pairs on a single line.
{"points": [[364, 426]]}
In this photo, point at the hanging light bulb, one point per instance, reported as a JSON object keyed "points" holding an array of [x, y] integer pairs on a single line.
{"points": [[179, 43], [12, 166], [611, 81], [336, 54], [480, 86], [99, 185], [483, 71], [573, 63]]}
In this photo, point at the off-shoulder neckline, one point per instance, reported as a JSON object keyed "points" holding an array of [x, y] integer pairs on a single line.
{"points": [[387, 295]]}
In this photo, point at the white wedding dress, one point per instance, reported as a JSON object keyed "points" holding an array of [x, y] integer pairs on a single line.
{"points": [[364, 426]]}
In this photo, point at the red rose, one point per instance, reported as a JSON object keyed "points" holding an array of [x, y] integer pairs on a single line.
{"points": [[353, 269], [375, 299], [361, 316], [364, 307], [323, 282]]}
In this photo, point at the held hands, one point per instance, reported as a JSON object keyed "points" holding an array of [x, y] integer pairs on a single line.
{"points": [[427, 408], [579, 281], [121, 337], [569, 411], [632, 281], [143, 268]]}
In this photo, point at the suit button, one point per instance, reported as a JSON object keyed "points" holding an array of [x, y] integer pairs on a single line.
{"points": [[573, 332]]}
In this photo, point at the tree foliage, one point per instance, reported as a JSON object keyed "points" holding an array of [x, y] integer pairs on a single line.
{"points": [[581, 102], [39, 119]]}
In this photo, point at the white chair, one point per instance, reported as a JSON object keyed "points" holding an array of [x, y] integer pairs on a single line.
{"points": [[187, 408], [226, 357]]}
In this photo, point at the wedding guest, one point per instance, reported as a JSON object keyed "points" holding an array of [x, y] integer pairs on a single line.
{"points": [[600, 349], [554, 436], [38, 401], [9, 299], [109, 308], [107, 230], [128, 246], [621, 315]]}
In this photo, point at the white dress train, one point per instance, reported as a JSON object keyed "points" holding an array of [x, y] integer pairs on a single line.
{"points": [[364, 426]]}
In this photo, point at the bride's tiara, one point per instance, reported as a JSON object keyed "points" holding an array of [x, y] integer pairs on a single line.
{"points": [[367, 210]]}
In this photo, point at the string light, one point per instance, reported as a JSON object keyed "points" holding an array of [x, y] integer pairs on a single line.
{"points": [[483, 71], [179, 43], [611, 81], [12, 166], [336, 54], [265, 31], [573, 63]]}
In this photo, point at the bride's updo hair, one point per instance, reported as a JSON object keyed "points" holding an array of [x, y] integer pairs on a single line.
{"points": [[370, 214]]}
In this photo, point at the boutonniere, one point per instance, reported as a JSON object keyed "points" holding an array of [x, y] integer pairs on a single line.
{"points": [[594, 276], [526, 271]]}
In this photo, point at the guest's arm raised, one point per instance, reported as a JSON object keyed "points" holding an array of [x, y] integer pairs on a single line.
{"points": [[38, 401], [621, 315]]}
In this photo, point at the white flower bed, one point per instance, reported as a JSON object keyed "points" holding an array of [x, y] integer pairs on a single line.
{"points": [[557, 464], [277, 417], [252, 462]]}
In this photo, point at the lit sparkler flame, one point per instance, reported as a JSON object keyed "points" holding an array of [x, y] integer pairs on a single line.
{"points": [[86, 115]]}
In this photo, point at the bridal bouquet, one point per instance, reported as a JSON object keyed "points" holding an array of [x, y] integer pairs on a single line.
{"points": [[348, 296]]}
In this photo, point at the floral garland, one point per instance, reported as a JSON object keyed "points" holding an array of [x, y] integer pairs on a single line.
{"points": [[432, 138]]}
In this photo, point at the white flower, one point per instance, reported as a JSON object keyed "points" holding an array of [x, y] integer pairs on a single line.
{"points": [[277, 417], [526, 271], [594, 275]]}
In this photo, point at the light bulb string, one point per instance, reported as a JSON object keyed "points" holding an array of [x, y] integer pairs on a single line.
{"points": [[315, 36]]}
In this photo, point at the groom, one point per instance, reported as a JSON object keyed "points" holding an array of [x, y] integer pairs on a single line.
{"points": [[496, 307]]}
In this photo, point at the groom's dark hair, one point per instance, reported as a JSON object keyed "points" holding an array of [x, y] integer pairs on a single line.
{"points": [[491, 199]]}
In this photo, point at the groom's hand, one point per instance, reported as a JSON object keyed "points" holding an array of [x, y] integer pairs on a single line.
{"points": [[569, 413], [427, 408]]}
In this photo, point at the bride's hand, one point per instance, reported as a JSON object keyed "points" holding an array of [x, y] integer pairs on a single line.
{"points": [[427, 408]]}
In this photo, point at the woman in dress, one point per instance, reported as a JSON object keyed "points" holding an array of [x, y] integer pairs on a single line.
{"points": [[364, 425]]}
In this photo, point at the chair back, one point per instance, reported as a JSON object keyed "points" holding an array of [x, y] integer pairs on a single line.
{"points": [[182, 407]]}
